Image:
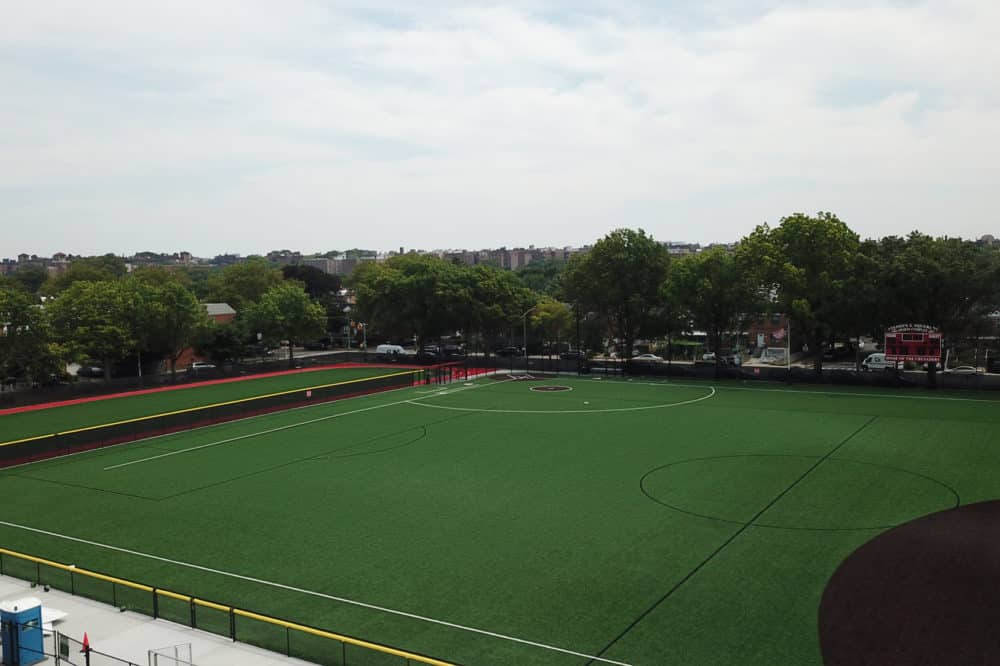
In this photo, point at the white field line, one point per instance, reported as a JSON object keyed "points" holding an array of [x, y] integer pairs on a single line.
{"points": [[263, 432], [568, 411], [833, 393], [314, 593], [204, 427]]}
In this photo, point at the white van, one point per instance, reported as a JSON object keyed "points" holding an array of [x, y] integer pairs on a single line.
{"points": [[877, 362], [389, 352]]}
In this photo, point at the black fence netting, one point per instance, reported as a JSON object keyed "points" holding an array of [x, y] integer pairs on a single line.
{"points": [[62, 443]]}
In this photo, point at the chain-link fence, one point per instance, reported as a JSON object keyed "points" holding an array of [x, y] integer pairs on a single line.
{"points": [[289, 638]]}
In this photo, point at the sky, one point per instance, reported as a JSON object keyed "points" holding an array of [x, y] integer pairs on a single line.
{"points": [[243, 126]]}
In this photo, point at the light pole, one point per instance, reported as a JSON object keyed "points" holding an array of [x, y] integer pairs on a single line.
{"points": [[524, 337]]}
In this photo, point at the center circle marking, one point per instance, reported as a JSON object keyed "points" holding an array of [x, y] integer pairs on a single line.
{"points": [[732, 489]]}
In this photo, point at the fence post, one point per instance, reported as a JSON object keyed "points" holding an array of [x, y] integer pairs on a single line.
{"points": [[193, 619], [156, 605], [232, 623]]}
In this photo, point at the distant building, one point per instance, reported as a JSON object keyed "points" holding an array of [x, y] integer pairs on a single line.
{"points": [[222, 313]]}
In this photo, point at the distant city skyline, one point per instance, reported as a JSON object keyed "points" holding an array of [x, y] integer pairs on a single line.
{"points": [[231, 128]]}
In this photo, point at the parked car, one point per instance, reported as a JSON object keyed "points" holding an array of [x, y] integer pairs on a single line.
{"points": [[573, 355], [733, 359], [708, 356], [201, 368], [508, 351], [962, 370], [648, 358], [90, 370]]}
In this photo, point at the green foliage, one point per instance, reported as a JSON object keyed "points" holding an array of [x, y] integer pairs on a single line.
{"points": [[543, 277], [285, 312], [808, 260], [620, 279], [158, 276], [317, 283], [716, 292], [945, 282], [30, 278], [553, 318], [410, 295], [88, 269], [27, 349], [175, 317], [94, 320], [241, 285]]}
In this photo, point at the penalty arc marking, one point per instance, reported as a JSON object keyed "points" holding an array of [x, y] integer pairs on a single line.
{"points": [[710, 394]]}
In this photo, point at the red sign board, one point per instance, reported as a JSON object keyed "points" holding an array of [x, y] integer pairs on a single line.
{"points": [[913, 342]]}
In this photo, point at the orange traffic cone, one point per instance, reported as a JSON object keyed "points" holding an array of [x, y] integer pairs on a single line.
{"points": [[86, 644]]}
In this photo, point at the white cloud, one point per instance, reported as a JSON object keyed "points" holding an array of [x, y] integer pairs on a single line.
{"points": [[231, 127]]}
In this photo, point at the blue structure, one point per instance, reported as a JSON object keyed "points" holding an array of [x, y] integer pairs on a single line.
{"points": [[21, 632]]}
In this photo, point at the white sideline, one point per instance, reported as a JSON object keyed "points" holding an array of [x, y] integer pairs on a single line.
{"points": [[320, 595], [204, 427], [266, 432]]}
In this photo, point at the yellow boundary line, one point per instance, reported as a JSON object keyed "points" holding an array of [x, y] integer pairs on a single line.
{"points": [[211, 406], [357, 642]]}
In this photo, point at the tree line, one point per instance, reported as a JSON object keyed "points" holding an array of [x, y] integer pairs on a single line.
{"points": [[98, 312], [813, 270]]}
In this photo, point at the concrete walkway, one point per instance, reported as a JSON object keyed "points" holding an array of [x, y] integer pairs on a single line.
{"points": [[130, 636]]}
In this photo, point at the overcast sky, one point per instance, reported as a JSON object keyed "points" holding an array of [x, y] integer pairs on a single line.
{"points": [[235, 126]]}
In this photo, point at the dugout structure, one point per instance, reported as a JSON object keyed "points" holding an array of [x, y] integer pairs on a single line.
{"points": [[54, 444]]}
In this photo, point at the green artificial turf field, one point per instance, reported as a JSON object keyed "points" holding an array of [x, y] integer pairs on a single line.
{"points": [[639, 523], [81, 415]]}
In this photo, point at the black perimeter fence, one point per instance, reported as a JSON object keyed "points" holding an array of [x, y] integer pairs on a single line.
{"points": [[707, 371]]}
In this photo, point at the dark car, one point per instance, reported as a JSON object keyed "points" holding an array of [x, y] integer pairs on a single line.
{"points": [[453, 350], [90, 370], [508, 351], [573, 355]]}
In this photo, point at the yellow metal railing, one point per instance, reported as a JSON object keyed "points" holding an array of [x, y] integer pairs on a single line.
{"points": [[198, 408], [193, 603]]}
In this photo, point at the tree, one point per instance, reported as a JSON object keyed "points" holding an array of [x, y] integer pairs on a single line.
{"points": [[241, 285], [620, 278], [716, 291], [943, 282], [316, 283], [26, 346], [157, 276], [175, 319], [410, 295], [493, 301], [87, 269], [808, 261], [92, 319], [30, 278], [285, 312], [544, 277], [555, 319]]}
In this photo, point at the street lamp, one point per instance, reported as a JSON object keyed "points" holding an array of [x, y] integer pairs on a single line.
{"points": [[524, 338]]}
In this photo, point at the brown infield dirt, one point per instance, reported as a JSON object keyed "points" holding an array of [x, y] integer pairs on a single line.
{"points": [[926, 592]]}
